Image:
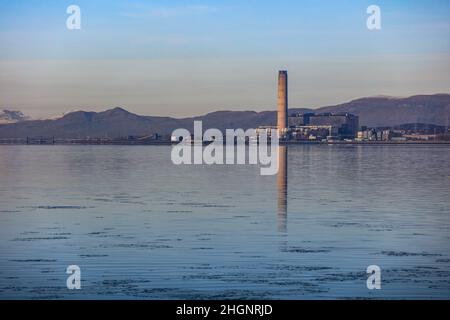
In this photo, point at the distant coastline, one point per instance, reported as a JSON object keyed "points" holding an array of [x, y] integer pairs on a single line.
{"points": [[424, 112], [168, 143]]}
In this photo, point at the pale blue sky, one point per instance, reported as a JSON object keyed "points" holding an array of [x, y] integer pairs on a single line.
{"points": [[189, 57]]}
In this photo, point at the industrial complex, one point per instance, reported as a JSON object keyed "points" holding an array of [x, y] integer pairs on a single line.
{"points": [[309, 126]]}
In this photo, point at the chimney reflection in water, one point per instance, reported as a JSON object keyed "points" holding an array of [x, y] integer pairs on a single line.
{"points": [[282, 188]]}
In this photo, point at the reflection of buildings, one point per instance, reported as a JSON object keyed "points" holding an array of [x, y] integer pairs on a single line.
{"points": [[282, 188]]}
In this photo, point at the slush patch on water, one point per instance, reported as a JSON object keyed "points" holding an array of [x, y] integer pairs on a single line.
{"points": [[428, 276], [344, 276], [305, 250], [93, 255], [281, 281], [350, 224], [137, 246], [409, 254], [237, 295], [41, 238], [299, 268], [198, 267], [105, 235], [205, 205], [133, 202], [47, 271], [125, 196], [58, 207], [33, 260], [102, 200]]}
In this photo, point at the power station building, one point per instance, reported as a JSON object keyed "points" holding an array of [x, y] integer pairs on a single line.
{"points": [[309, 126], [343, 125]]}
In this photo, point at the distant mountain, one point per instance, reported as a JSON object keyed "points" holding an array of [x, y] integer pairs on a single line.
{"points": [[118, 122], [111, 123], [388, 111], [10, 116]]}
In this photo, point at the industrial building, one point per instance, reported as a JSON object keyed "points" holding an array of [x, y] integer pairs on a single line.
{"points": [[309, 126], [342, 125]]}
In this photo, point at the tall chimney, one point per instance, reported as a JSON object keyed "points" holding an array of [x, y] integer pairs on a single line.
{"points": [[282, 100]]}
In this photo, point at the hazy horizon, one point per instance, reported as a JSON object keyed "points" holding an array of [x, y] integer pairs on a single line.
{"points": [[183, 58]]}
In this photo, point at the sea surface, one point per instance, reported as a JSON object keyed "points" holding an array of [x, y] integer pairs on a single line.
{"points": [[139, 226]]}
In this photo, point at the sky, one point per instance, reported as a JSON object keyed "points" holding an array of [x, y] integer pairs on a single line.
{"points": [[184, 58]]}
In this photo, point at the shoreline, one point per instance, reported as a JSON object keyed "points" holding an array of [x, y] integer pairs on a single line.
{"points": [[168, 143]]}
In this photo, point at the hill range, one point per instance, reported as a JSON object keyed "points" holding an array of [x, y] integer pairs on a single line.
{"points": [[118, 122]]}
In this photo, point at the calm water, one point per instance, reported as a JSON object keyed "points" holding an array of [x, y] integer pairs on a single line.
{"points": [[140, 227]]}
